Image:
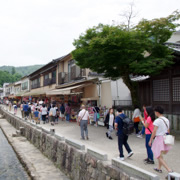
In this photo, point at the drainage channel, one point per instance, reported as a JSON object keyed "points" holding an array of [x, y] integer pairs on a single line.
{"points": [[10, 166]]}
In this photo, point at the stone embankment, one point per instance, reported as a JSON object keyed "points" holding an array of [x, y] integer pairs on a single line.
{"points": [[71, 158]]}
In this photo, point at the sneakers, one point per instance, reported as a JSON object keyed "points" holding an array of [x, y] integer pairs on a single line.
{"points": [[130, 154], [107, 135], [110, 138], [120, 158], [149, 161], [140, 136]]}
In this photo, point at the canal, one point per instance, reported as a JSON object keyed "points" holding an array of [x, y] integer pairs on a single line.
{"points": [[10, 167]]}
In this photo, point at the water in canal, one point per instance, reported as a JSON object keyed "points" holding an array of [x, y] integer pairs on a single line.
{"points": [[10, 167]]}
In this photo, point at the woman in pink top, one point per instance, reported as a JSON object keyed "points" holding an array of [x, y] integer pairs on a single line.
{"points": [[148, 124]]}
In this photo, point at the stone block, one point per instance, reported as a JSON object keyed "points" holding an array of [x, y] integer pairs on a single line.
{"points": [[59, 137], [22, 131], [97, 154], [174, 175], [46, 130], [75, 144], [133, 170]]}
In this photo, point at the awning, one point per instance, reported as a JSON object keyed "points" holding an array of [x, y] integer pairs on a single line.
{"points": [[68, 90], [35, 93], [90, 99]]}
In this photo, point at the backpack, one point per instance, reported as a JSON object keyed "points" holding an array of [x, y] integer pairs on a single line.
{"points": [[128, 125]]}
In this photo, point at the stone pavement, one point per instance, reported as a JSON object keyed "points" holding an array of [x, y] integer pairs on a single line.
{"points": [[98, 140]]}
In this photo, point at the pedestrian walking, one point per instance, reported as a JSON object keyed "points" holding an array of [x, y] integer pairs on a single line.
{"points": [[15, 109], [44, 113], [25, 109], [83, 119], [109, 121], [148, 124], [96, 115], [136, 118], [52, 114], [142, 132], [62, 111], [21, 108], [36, 116], [122, 138], [161, 127], [68, 112]]}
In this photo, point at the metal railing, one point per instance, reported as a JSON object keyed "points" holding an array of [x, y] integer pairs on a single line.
{"points": [[123, 103], [34, 86]]}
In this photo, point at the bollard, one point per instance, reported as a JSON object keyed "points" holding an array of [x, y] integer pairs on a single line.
{"points": [[52, 131]]}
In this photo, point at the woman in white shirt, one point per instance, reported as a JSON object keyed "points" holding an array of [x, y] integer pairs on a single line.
{"points": [[136, 118], [44, 113], [161, 127]]}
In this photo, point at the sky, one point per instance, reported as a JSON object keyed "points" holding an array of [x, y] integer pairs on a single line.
{"points": [[38, 31]]}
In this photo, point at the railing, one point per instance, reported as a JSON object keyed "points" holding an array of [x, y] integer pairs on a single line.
{"points": [[49, 81], [64, 77], [34, 86], [123, 103], [173, 45]]}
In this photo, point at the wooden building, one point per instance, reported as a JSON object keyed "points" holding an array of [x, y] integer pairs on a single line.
{"points": [[163, 89]]}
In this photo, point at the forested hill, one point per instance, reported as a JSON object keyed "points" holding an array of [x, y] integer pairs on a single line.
{"points": [[10, 74], [22, 70]]}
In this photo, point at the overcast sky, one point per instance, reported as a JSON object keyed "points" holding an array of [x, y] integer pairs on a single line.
{"points": [[37, 31]]}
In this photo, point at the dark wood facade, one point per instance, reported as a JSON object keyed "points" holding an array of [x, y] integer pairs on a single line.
{"points": [[163, 89]]}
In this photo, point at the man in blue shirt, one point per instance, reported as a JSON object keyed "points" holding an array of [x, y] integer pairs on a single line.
{"points": [[25, 109], [122, 138]]}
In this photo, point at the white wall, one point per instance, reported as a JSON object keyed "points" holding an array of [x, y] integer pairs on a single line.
{"points": [[119, 90], [175, 37]]}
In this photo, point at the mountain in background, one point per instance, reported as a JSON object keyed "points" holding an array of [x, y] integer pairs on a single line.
{"points": [[22, 70]]}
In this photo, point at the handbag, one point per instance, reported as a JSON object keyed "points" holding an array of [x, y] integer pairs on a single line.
{"points": [[136, 119], [98, 116], [168, 139]]}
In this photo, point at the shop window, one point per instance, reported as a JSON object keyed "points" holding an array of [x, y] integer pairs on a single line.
{"points": [[176, 89], [161, 90]]}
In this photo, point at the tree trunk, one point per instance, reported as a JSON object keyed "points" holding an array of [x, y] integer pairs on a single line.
{"points": [[133, 87]]}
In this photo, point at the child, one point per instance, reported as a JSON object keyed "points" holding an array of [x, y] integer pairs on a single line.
{"points": [[36, 116]]}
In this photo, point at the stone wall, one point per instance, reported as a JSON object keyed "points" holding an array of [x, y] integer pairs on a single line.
{"points": [[77, 164]]}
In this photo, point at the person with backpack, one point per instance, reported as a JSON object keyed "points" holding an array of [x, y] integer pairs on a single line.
{"points": [[148, 124], [122, 127]]}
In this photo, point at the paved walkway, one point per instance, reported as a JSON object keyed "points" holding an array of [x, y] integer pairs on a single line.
{"points": [[98, 140]]}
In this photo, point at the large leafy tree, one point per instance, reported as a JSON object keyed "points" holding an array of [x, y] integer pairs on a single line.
{"points": [[118, 51]]}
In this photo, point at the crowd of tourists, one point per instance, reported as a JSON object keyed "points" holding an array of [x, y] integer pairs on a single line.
{"points": [[154, 126]]}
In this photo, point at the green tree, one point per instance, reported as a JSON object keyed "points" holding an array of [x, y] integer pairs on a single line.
{"points": [[13, 71], [118, 52]]}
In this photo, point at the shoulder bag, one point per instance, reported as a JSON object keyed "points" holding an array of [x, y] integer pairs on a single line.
{"points": [[168, 139], [82, 117]]}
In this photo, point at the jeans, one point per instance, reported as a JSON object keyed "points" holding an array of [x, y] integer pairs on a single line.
{"points": [[122, 140], [110, 130], [143, 130], [136, 127], [83, 126], [67, 117], [148, 148]]}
